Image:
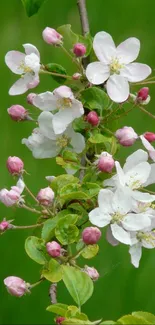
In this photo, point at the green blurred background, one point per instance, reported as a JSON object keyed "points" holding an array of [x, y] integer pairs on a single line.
{"points": [[121, 288]]}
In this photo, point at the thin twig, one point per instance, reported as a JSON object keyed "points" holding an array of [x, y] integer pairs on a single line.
{"points": [[53, 293], [31, 194], [28, 227], [145, 111], [29, 209]]}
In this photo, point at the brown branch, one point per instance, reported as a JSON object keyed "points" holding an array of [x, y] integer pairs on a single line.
{"points": [[53, 293]]}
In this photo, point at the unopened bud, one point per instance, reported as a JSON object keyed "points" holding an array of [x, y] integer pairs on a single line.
{"points": [[105, 162], [17, 113], [45, 196], [53, 249], [143, 94], [16, 286], [149, 136], [4, 225], [91, 235], [51, 36], [76, 76], [126, 136], [15, 165], [93, 118], [92, 272], [30, 98], [59, 320], [79, 49]]}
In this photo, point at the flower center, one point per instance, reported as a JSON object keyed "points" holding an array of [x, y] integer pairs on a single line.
{"points": [[117, 217], [62, 141], [64, 103], [143, 206], [148, 237], [25, 68], [115, 66]]}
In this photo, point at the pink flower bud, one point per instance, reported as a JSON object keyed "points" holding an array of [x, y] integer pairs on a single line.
{"points": [[45, 196], [149, 136], [51, 36], [30, 98], [79, 49], [59, 320], [92, 272], [11, 197], [4, 225], [105, 163], [93, 118], [63, 92], [76, 76], [126, 136], [91, 235], [17, 113], [15, 165], [53, 249], [15, 286], [143, 93]]}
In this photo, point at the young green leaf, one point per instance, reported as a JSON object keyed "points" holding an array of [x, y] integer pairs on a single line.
{"points": [[54, 271], [34, 248], [56, 68], [59, 309], [150, 318], [95, 98], [66, 232], [130, 319], [90, 251], [32, 6]]}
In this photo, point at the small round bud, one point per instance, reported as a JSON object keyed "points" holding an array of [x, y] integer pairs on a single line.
{"points": [[53, 249], [15, 165], [76, 76], [17, 113], [93, 118], [126, 136], [30, 98], [105, 163], [45, 196], [143, 94], [79, 49], [91, 235], [149, 136], [51, 36], [59, 320], [92, 272], [9, 198], [15, 286], [4, 225]]}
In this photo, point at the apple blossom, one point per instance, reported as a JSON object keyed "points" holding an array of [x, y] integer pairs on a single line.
{"points": [[91, 235], [79, 49], [51, 36], [92, 272], [10, 198], [44, 143], [63, 100], [27, 65], [16, 286], [45, 196], [15, 165], [148, 146], [53, 249], [126, 136], [93, 118], [17, 113], [149, 136], [105, 162], [115, 67]]}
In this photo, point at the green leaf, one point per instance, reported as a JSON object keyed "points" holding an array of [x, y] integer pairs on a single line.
{"points": [[90, 251], [32, 6], [68, 160], [78, 283], [66, 232], [74, 312], [34, 247], [98, 138], [63, 180], [130, 319], [54, 271], [59, 309], [48, 230], [92, 189], [108, 322], [95, 98], [150, 318], [78, 207], [56, 68], [72, 192]]}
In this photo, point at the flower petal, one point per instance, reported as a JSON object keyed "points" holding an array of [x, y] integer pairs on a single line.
{"points": [[45, 101], [149, 147], [134, 222], [13, 60], [128, 50], [151, 178], [118, 88], [143, 197], [122, 202], [21, 85], [97, 73], [120, 173], [104, 47], [134, 159], [138, 175], [29, 48], [77, 142], [110, 238], [62, 119], [135, 72], [99, 219], [120, 234], [136, 254], [45, 123], [105, 199]]}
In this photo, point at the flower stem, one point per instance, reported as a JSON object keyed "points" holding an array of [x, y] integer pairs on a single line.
{"points": [[72, 58], [30, 209], [31, 194], [28, 227], [35, 284], [56, 74], [145, 111]]}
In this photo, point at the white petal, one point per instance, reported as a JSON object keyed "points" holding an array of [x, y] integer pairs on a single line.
{"points": [[77, 109], [104, 47], [134, 222], [143, 197], [21, 85], [61, 120], [136, 254], [122, 202], [45, 123], [149, 147], [21, 185], [63, 92], [134, 159], [97, 73], [99, 219], [105, 199], [151, 178], [128, 50], [120, 173], [135, 72], [77, 142], [138, 175], [110, 238], [45, 101], [118, 88], [29, 48], [13, 60], [120, 234]]}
